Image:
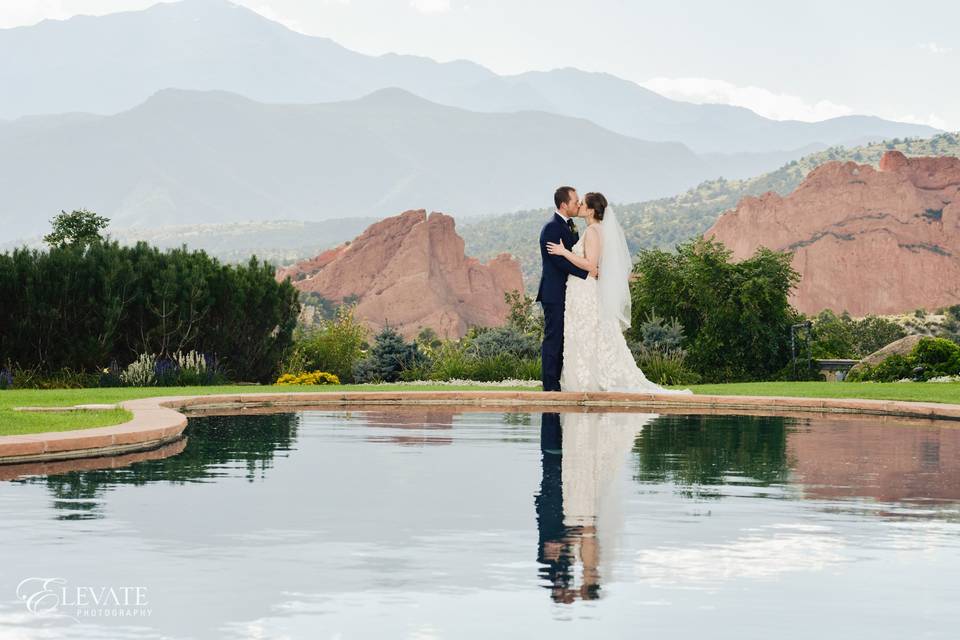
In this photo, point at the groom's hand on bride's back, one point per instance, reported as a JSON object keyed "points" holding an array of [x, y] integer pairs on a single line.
{"points": [[595, 273]]}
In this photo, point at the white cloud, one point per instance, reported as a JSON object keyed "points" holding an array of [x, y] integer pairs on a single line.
{"points": [[934, 48], [777, 106], [431, 6]]}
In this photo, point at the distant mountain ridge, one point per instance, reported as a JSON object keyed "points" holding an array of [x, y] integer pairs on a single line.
{"points": [[110, 63], [187, 157]]}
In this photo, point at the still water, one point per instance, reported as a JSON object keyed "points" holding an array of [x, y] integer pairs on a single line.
{"points": [[437, 524]]}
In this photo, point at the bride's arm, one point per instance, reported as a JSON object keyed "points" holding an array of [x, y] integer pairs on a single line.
{"points": [[591, 249]]}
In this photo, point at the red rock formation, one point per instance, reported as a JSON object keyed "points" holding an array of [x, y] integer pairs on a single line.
{"points": [[410, 271], [866, 241], [875, 458]]}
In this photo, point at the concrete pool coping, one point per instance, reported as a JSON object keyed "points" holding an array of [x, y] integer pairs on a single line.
{"points": [[158, 421]]}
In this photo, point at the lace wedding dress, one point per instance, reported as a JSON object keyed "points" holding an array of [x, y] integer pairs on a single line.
{"points": [[595, 353]]}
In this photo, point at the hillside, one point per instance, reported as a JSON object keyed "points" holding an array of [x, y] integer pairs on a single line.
{"points": [[665, 222], [865, 240], [189, 157], [110, 63]]}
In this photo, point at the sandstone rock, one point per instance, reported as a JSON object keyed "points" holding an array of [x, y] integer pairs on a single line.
{"points": [[410, 272], [866, 241], [900, 347]]}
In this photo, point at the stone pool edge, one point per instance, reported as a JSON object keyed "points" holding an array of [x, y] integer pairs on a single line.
{"points": [[157, 421]]}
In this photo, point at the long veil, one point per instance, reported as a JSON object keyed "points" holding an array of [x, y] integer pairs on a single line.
{"points": [[615, 267]]}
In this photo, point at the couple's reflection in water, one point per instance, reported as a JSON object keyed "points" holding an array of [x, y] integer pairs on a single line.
{"points": [[578, 517]]}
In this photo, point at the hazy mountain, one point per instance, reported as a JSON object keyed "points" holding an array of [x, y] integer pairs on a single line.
{"points": [[187, 157], [110, 63]]}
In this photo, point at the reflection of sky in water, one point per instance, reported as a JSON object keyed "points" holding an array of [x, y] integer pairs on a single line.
{"points": [[425, 526]]}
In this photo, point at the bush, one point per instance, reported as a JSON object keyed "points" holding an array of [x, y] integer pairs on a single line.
{"points": [[931, 358], [84, 304], [735, 316], [389, 357], [505, 340], [178, 370], [335, 346], [659, 333], [663, 365], [312, 378]]}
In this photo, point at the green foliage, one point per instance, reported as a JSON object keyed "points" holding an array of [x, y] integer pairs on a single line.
{"points": [[389, 357], [931, 358], [524, 315], [659, 333], [505, 341], [335, 346], [735, 316], [843, 337], [77, 228], [872, 333], [664, 223], [81, 307], [663, 365], [833, 336]]}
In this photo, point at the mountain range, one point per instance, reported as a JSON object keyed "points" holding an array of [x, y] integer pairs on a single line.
{"points": [[205, 112], [110, 63], [211, 156]]}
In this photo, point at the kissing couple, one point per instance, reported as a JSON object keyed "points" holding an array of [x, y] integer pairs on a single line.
{"points": [[585, 294]]}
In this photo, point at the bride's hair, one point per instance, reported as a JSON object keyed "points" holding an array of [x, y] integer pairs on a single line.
{"points": [[597, 202]]}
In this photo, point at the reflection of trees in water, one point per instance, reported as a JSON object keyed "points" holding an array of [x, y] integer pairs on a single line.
{"points": [[692, 451], [213, 442]]}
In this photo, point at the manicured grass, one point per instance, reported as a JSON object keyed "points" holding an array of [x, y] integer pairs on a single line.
{"points": [[20, 422], [948, 392], [12, 422]]}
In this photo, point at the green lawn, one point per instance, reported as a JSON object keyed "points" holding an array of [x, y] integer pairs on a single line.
{"points": [[20, 422], [12, 422], [948, 392]]}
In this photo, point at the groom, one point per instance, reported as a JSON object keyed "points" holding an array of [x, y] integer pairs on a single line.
{"points": [[552, 293]]}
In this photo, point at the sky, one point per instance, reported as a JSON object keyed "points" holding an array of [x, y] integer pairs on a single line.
{"points": [[785, 60]]}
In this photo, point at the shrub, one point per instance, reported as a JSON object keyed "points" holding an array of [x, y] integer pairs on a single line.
{"points": [[505, 341], [896, 367], [660, 333], [450, 362], [524, 316], [663, 365], [312, 378], [736, 317], [334, 346], [388, 358], [936, 357], [141, 372]]}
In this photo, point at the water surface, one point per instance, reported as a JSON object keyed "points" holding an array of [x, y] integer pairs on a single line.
{"points": [[435, 524]]}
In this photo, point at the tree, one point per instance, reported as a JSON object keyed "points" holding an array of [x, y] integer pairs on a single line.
{"points": [[736, 317], [77, 228]]}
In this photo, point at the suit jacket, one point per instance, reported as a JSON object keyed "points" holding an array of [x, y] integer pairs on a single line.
{"points": [[553, 279]]}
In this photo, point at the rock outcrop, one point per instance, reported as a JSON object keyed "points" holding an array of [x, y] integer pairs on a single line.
{"points": [[865, 240], [902, 347], [410, 272]]}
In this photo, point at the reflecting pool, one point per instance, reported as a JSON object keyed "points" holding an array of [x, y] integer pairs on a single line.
{"points": [[432, 523]]}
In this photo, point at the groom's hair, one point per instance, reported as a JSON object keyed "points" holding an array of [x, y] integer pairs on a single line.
{"points": [[561, 195]]}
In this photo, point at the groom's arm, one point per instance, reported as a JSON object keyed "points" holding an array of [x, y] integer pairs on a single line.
{"points": [[552, 234]]}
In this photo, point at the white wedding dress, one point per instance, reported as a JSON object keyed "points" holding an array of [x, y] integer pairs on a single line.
{"points": [[595, 353]]}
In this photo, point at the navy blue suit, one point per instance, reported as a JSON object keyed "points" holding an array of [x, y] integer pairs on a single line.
{"points": [[552, 295]]}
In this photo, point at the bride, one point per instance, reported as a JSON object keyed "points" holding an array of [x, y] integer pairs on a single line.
{"points": [[595, 354]]}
